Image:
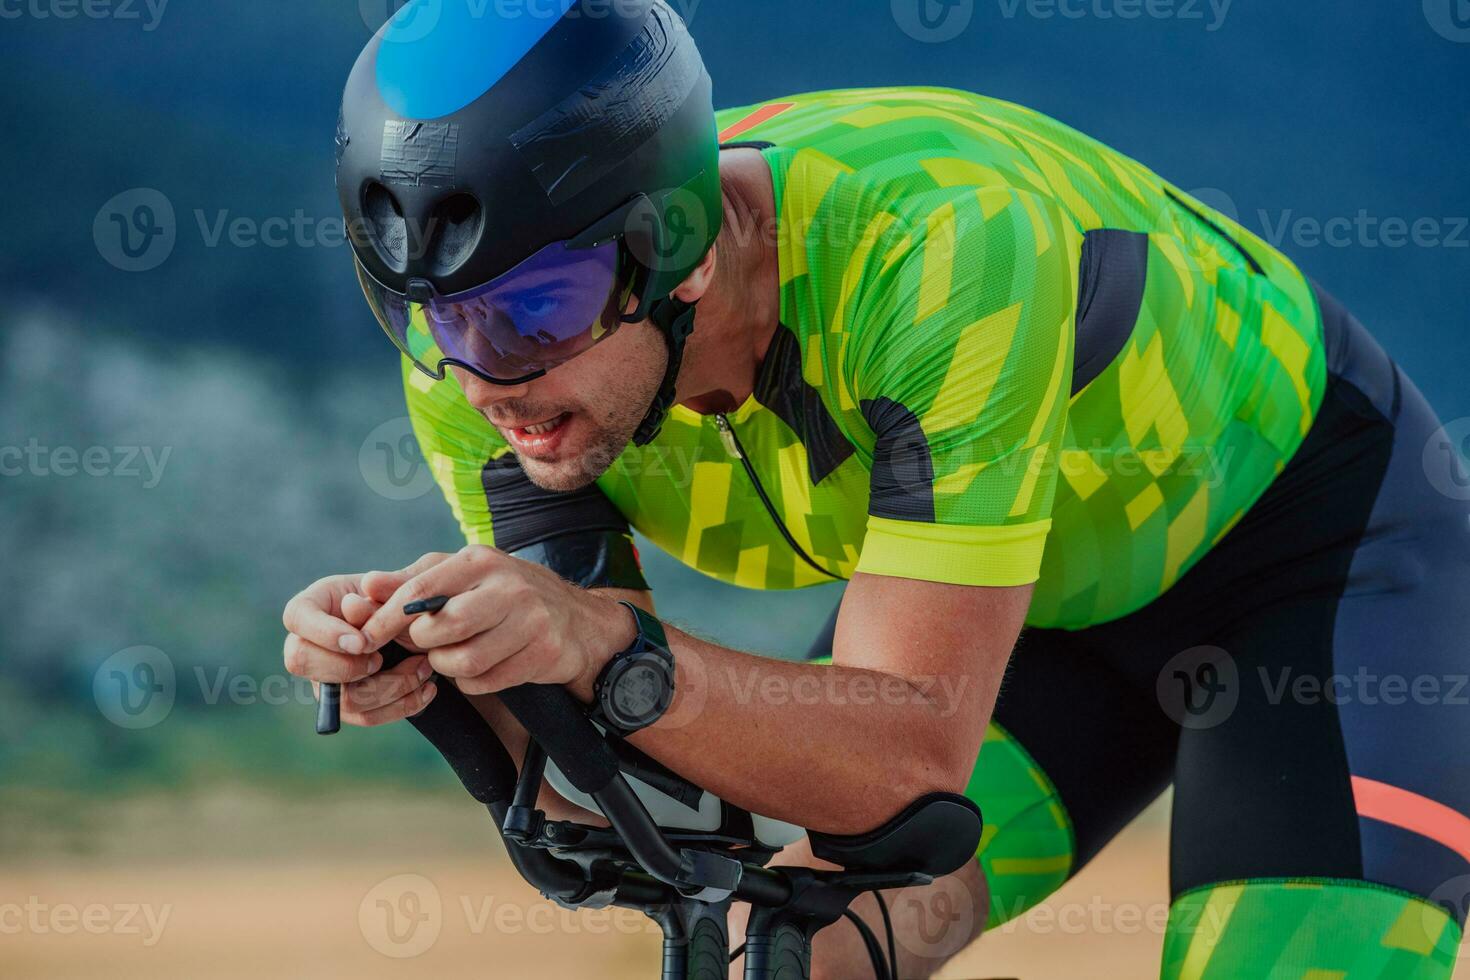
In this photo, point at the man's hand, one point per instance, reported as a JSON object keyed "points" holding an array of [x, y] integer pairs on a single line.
{"points": [[324, 643], [508, 622]]}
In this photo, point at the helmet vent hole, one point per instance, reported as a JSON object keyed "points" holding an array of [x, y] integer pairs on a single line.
{"points": [[457, 223], [386, 227]]}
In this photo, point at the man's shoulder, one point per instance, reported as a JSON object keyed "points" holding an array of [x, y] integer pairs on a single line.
{"points": [[805, 116]]}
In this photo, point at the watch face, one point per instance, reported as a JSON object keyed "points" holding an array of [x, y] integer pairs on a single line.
{"points": [[639, 692]]}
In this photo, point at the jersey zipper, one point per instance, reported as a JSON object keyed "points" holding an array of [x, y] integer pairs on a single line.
{"points": [[736, 451]]}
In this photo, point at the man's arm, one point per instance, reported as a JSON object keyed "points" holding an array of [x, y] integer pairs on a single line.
{"points": [[960, 359], [900, 712]]}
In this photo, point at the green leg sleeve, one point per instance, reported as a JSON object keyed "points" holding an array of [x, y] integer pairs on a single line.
{"points": [[1026, 850], [1307, 929]]}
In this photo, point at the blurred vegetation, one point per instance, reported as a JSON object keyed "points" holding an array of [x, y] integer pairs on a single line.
{"points": [[255, 376], [258, 484]]}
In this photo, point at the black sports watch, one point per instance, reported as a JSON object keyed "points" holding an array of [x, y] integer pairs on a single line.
{"points": [[636, 686]]}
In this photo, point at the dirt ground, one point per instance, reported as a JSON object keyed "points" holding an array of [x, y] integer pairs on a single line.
{"points": [[435, 904]]}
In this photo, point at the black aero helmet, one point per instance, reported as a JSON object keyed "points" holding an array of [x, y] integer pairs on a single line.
{"points": [[513, 179]]}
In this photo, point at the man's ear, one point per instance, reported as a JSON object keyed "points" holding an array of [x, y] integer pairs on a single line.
{"points": [[698, 282]]}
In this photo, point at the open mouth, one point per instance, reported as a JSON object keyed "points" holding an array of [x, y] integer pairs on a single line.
{"points": [[540, 438]]}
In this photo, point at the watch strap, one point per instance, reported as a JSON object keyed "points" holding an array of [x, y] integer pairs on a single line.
{"points": [[650, 630]]}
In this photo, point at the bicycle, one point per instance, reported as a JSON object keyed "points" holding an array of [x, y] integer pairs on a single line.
{"points": [[685, 880]]}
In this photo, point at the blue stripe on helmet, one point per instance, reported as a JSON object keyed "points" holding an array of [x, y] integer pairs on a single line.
{"points": [[437, 56]]}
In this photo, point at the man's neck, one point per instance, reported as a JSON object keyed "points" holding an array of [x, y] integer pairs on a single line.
{"points": [[740, 314]]}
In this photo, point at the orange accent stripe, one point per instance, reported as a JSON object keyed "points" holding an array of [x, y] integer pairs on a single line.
{"points": [[753, 120], [1420, 814]]}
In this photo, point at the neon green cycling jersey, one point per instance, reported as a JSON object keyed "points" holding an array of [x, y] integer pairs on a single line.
{"points": [[1007, 354]]}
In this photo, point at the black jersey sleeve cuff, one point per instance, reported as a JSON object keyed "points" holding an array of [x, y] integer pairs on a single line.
{"points": [[591, 559]]}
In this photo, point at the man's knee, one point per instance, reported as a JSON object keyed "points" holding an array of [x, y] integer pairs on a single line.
{"points": [[1327, 927], [1027, 851]]}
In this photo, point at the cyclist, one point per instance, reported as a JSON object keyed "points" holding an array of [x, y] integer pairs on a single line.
{"points": [[990, 372]]}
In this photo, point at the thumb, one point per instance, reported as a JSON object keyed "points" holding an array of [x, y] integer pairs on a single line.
{"points": [[357, 609]]}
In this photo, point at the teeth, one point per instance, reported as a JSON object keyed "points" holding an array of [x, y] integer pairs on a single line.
{"points": [[543, 427]]}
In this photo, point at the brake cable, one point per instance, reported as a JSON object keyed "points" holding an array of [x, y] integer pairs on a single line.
{"points": [[888, 933]]}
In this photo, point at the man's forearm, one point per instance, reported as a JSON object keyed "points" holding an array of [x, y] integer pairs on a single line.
{"points": [[832, 748], [838, 748]]}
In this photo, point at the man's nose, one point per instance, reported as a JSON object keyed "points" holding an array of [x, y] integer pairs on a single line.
{"points": [[483, 395]]}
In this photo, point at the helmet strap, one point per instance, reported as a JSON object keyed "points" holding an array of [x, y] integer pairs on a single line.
{"points": [[675, 320]]}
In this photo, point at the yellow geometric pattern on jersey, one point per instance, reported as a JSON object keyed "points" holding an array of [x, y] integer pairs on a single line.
{"points": [[916, 416]]}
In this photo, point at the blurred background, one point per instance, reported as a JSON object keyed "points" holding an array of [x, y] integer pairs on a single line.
{"points": [[199, 416]]}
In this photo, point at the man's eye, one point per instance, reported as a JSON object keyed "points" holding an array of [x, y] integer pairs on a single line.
{"points": [[535, 305]]}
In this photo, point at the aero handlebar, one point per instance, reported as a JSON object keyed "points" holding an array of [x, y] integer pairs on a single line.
{"points": [[686, 889]]}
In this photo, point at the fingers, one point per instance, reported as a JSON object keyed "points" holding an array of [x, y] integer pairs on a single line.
{"points": [[306, 659], [456, 574], [510, 669], [480, 664], [380, 586], [311, 615], [387, 688], [397, 711], [463, 616]]}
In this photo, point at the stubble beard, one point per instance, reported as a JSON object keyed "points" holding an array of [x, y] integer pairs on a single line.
{"points": [[613, 416]]}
